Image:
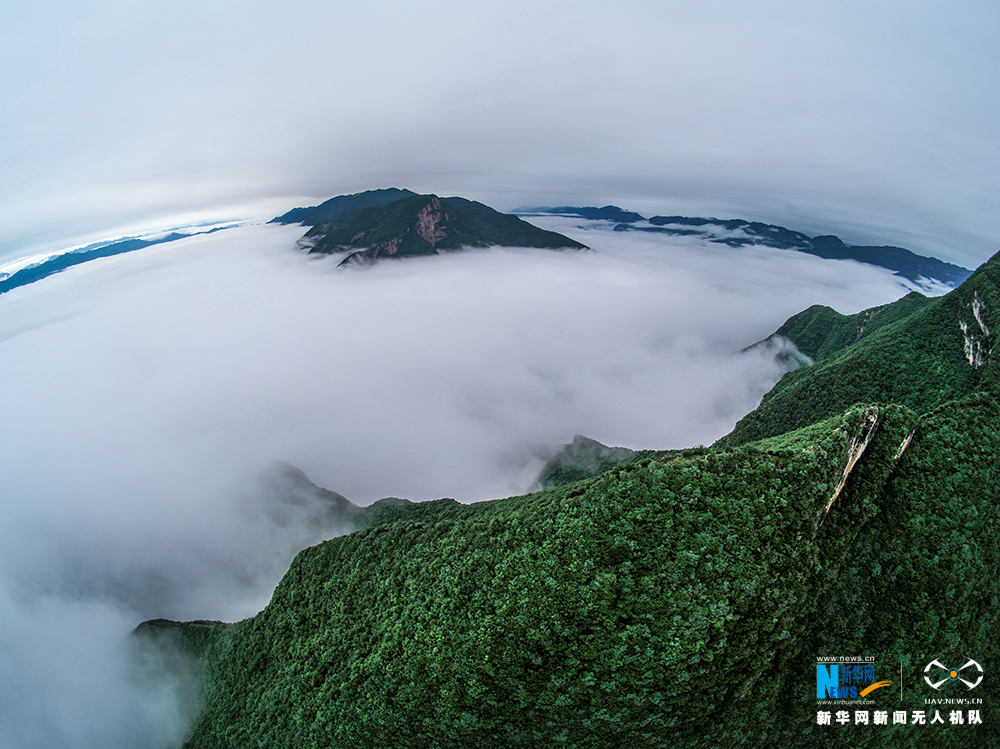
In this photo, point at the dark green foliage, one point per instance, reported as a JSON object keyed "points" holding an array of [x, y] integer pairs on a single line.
{"points": [[425, 224], [175, 656], [674, 601], [917, 355], [507, 230], [580, 459], [821, 331], [336, 210], [585, 458], [518, 620], [919, 581], [194, 638]]}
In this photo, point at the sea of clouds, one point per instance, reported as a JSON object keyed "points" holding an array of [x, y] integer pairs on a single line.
{"points": [[147, 398]]}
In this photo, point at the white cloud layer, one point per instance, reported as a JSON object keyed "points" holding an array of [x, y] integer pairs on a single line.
{"points": [[146, 395]]}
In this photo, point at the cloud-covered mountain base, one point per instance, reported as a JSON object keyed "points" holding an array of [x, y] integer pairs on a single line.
{"points": [[678, 598]]}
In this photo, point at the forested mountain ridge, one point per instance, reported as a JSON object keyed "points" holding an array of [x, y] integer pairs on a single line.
{"points": [[664, 602], [917, 351], [336, 210], [821, 331]]}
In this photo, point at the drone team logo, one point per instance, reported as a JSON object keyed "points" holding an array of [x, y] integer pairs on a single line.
{"points": [[952, 674]]}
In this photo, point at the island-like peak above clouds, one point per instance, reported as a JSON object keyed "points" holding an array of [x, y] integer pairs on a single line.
{"points": [[398, 223], [924, 271]]}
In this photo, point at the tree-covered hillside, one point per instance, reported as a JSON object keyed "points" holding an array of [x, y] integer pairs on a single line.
{"points": [[335, 210], [820, 331], [918, 352], [580, 459], [668, 602]]}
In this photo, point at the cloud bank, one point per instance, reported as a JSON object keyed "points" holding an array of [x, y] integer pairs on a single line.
{"points": [[147, 398]]}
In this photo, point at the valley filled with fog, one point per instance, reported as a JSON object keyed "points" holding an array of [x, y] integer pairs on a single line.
{"points": [[149, 400]]}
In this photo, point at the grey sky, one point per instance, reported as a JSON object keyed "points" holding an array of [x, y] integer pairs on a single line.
{"points": [[875, 120]]}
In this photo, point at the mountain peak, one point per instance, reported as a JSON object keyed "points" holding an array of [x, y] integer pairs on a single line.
{"points": [[335, 210], [418, 225]]}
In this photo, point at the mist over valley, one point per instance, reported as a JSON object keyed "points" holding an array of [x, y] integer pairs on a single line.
{"points": [[157, 393]]}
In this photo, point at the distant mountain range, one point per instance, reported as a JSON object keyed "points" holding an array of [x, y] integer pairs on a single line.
{"points": [[741, 233], [369, 225], [394, 223], [62, 261]]}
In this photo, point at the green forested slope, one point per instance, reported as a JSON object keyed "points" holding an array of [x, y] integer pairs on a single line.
{"points": [[820, 331], [918, 355], [581, 459], [674, 601], [335, 210]]}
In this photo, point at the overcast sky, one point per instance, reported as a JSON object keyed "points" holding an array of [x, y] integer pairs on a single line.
{"points": [[875, 120]]}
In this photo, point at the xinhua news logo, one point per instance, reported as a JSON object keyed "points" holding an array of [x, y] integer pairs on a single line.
{"points": [[845, 681]]}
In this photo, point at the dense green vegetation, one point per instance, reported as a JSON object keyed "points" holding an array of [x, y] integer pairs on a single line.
{"points": [[195, 638], [580, 459], [821, 331], [674, 599], [914, 351]]}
